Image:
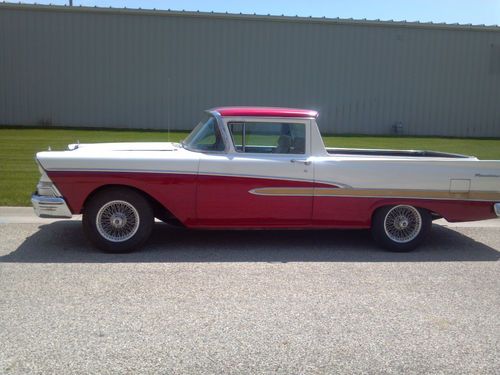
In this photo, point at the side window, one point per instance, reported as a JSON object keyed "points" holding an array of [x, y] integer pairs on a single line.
{"points": [[268, 137]]}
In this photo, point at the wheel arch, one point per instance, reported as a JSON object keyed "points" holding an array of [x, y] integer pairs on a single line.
{"points": [[160, 211], [417, 204]]}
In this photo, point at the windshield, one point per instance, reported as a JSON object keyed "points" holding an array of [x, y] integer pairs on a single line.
{"points": [[205, 136]]}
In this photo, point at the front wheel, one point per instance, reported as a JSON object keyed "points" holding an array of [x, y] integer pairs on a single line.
{"points": [[400, 228], [118, 220]]}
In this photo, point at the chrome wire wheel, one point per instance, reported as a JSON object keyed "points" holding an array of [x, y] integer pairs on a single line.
{"points": [[117, 221], [402, 224]]}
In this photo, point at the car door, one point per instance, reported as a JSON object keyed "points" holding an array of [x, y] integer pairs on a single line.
{"points": [[265, 180]]}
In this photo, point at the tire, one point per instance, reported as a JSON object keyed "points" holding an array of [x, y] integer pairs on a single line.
{"points": [[400, 228], [118, 220]]}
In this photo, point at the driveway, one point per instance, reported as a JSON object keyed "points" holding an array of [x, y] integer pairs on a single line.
{"points": [[247, 302]]}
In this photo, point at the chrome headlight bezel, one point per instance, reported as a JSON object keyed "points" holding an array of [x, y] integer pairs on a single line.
{"points": [[47, 188]]}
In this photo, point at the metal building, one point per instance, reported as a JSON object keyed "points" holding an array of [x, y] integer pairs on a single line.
{"points": [[157, 69]]}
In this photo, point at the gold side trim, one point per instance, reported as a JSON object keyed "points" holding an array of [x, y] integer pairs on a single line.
{"points": [[378, 193]]}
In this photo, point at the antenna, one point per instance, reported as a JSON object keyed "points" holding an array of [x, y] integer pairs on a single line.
{"points": [[168, 127]]}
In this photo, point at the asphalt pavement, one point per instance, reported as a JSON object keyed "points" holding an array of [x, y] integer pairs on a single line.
{"points": [[212, 302]]}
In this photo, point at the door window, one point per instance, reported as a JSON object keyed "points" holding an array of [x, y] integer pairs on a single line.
{"points": [[268, 137]]}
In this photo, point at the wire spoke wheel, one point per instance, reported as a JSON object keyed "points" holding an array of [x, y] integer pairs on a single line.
{"points": [[117, 221], [402, 223]]}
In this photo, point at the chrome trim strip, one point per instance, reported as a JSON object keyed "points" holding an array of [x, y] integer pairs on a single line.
{"points": [[45, 206], [375, 193], [156, 171]]}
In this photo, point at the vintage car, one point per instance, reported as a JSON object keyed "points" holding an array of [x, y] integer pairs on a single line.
{"points": [[256, 167]]}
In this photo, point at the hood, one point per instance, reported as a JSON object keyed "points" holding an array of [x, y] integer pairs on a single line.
{"points": [[133, 156]]}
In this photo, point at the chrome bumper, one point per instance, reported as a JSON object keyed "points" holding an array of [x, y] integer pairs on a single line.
{"points": [[50, 206], [497, 209]]}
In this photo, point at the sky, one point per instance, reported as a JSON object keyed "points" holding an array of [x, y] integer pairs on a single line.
{"points": [[449, 11]]}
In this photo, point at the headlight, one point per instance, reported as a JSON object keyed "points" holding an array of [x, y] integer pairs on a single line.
{"points": [[46, 188]]}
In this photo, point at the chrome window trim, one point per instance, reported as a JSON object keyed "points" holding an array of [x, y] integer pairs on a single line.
{"points": [[224, 132], [295, 120], [243, 138], [243, 135]]}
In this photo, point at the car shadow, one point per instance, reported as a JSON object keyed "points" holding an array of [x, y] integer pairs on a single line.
{"points": [[64, 242]]}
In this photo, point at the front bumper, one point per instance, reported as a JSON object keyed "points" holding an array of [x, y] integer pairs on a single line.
{"points": [[46, 206], [497, 209]]}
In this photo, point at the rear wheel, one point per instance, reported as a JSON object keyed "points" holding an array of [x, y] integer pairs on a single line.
{"points": [[118, 220], [400, 228]]}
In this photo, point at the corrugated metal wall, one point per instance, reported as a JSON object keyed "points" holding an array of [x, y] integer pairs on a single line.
{"points": [[133, 69]]}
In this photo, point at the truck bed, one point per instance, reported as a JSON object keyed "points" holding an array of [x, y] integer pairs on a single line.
{"points": [[400, 153]]}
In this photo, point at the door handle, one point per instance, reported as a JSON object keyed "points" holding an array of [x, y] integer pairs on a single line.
{"points": [[302, 161]]}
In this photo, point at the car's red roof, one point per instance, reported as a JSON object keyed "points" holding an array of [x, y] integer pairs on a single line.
{"points": [[265, 112]]}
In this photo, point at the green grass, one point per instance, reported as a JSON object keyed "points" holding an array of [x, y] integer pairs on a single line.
{"points": [[19, 173]]}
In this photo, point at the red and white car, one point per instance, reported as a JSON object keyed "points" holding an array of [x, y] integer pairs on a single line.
{"points": [[254, 167]]}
